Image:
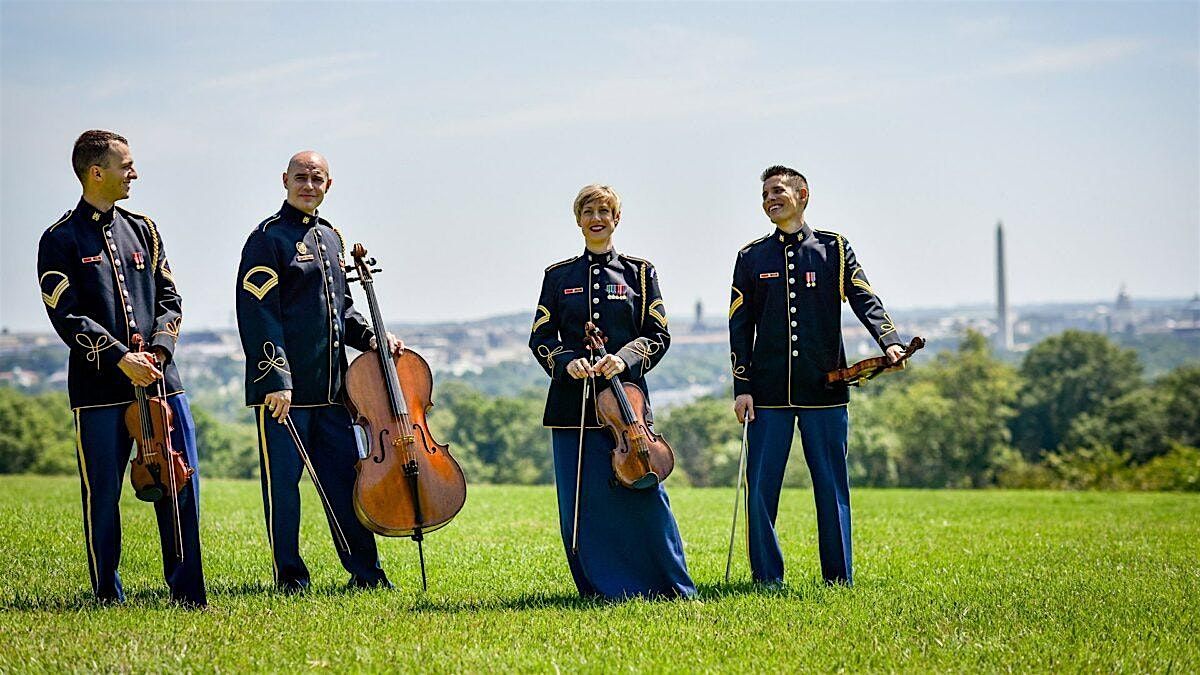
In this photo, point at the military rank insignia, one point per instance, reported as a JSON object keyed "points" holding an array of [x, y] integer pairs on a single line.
{"points": [[810, 279], [139, 259], [302, 254], [616, 291]]}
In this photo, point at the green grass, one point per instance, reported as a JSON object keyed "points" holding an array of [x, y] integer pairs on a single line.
{"points": [[944, 580]]}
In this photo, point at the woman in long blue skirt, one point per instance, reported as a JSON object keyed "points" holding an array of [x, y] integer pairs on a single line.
{"points": [[624, 542]]}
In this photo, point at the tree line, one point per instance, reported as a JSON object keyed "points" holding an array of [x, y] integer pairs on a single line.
{"points": [[1075, 413]]}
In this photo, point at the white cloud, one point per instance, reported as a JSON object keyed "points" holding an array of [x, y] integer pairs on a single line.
{"points": [[1069, 58], [328, 68]]}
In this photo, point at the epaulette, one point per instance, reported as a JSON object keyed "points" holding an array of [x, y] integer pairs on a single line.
{"points": [[829, 233], [634, 258], [60, 221], [262, 227], [341, 240], [747, 246], [560, 263]]}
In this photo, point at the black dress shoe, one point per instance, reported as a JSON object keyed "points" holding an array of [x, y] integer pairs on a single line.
{"points": [[292, 586], [357, 583]]}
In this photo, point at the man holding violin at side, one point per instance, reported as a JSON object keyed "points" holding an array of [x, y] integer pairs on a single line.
{"points": [[785, 335], [296, 318], [105, 279]]}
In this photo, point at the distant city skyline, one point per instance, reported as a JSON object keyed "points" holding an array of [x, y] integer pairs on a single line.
{"points": [[458, 134]]}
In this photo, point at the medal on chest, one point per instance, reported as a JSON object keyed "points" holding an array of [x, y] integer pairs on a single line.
{"points": [[616, 291]]}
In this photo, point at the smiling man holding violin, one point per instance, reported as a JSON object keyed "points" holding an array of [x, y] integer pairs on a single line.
{"points": [[785, 332], [106, 285], [619, 541], [296, 319]]}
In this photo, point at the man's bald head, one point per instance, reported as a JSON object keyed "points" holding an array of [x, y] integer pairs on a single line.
{"points": [[307, 180], [310, 159]]}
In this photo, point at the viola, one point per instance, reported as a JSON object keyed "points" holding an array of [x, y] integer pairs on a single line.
{"points": [[868, 369], [641, 459], [408, 484], [158, 469]]}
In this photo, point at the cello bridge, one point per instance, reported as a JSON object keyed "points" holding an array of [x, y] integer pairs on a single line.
{"points": [[404, 439]]}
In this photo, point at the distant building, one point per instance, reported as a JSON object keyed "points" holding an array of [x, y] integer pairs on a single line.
{"points": [[1004, 329], [698, 327], [1121, 319], [1190, 325]]}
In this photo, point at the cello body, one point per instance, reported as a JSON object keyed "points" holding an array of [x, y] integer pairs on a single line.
{"points": [[383, 493]]}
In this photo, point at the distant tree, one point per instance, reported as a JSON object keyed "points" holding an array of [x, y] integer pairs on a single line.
{"points": [[1066, 376], [875, 449], [706, 438], [946, 425], [1180, 392], [37, 433], [226, 449], [1133, 425], [501, 439]]}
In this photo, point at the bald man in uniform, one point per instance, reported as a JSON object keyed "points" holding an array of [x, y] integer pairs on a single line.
{"points": [[296, 318]]}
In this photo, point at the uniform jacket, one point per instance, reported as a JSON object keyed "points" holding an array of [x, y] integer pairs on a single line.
{"points": [[785, 317], [294, 310], [617, 292], [104, 277]]}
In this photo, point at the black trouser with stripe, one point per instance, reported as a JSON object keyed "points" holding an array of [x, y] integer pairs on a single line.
{"points": [[328, 436]]}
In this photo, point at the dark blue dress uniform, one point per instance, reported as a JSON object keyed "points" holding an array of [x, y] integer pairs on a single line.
{"points": [[785, 335], [104, 277], [296, 318], [629, 543]]}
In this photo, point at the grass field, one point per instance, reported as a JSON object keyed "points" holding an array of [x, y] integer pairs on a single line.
{"points": [[944, 581]]}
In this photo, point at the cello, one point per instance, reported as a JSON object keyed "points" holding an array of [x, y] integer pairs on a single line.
{"points": [[158, 469], [408, 484], [641, 459]]}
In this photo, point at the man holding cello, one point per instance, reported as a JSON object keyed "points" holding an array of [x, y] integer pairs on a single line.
{"points": [[296, 319], [107, 286]]}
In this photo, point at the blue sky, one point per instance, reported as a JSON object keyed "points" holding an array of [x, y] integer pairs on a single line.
{"points": [[459, 133]]}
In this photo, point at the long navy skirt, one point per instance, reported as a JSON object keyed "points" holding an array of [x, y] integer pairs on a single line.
{"points": [[629, 543]]}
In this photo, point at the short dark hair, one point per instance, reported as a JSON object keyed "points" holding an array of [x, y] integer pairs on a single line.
{"points": [[798, 179], [92, 149], [794, 178]]}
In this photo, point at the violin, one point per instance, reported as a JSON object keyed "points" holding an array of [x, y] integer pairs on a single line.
{"points": [[408, 484], [641, 458], [158, 469], [868, 369]]}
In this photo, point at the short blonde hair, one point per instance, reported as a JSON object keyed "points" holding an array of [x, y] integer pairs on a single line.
{"points": [[596, 191]]}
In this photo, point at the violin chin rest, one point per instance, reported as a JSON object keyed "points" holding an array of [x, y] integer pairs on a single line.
{"points": [[149, 494], [646, 482]]}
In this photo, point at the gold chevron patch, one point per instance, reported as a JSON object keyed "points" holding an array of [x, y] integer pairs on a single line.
{"points": [[737, 302], [662, 318], [542, 318], [51, 299], [260, 290]]}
